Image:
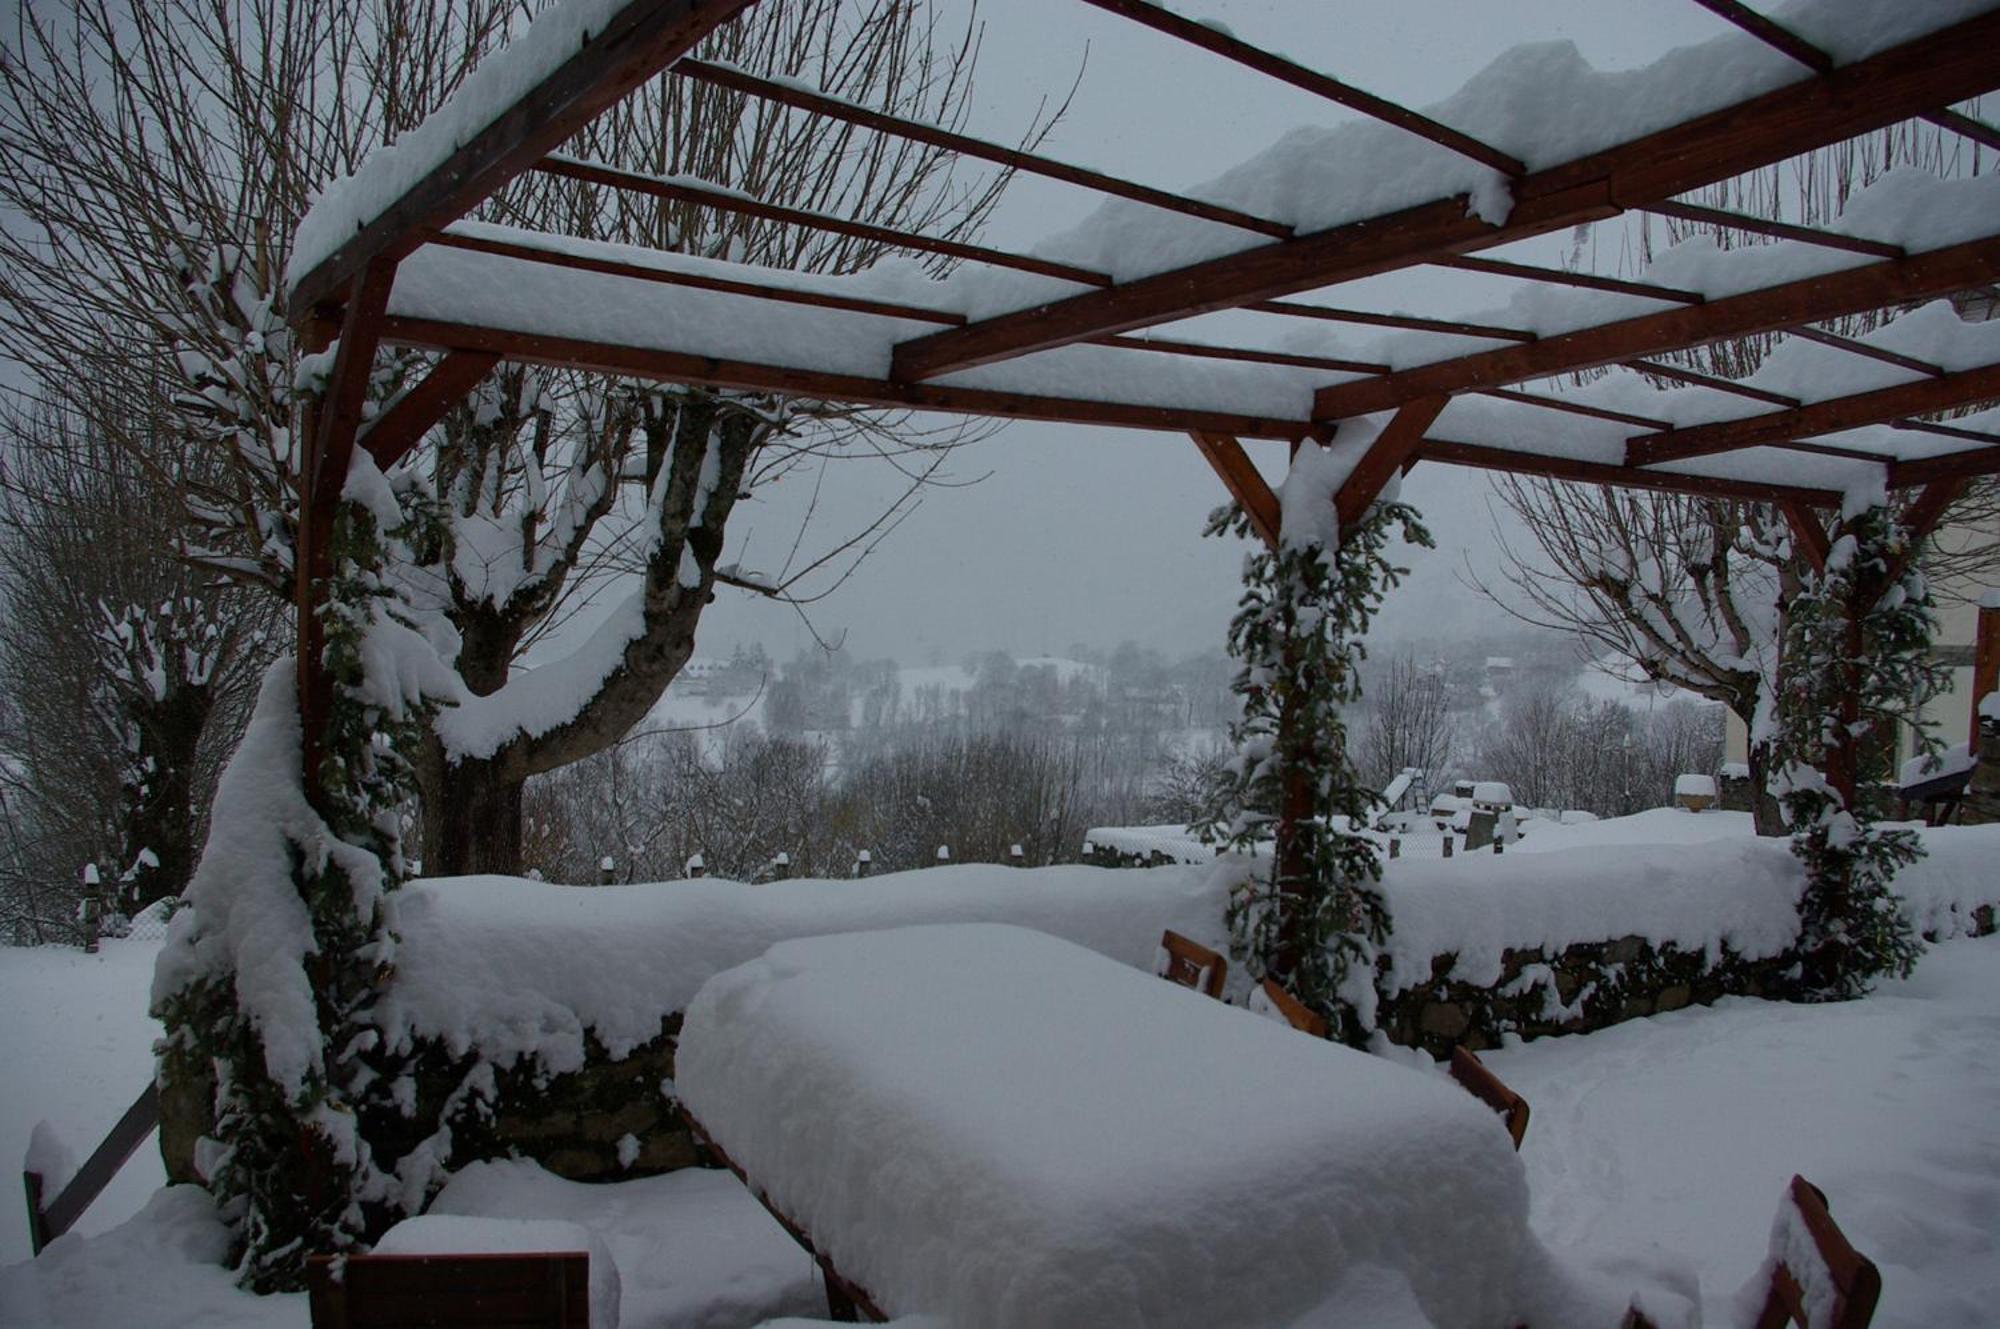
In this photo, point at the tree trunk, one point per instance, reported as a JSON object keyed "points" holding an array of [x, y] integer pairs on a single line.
{"points": [[1765, 814], [472, 819], [159, 822]]}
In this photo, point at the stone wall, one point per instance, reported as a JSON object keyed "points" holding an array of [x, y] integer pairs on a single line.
{"points": [[1582, 987]]}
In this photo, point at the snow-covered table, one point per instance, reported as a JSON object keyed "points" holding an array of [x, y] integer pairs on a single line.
{"points": [[1001, 1127]]}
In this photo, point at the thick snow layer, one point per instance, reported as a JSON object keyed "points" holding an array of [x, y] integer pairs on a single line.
{"points": [[441, 1234], [78, 1048], [1683, 1130], [693, 1250], [1739, 892], [388, 172], [519, 968], [1885, 1102], [245, 917], [997, 1125], [1657, 826], [1694, 786], [1176, 842], [1954, 760]]}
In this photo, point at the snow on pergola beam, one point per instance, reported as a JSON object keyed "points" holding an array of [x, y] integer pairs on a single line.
{"points": [[638, 40], [712, 371], [1826, 417], [1949, 65], [1813, 299]]}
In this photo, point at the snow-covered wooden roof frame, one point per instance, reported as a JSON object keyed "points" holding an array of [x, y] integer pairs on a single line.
{"points": [[386, 257]]}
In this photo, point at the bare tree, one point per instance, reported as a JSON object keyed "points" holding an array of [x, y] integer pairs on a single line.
{"points": [[163, 154], [1409, 726], [1687, 589], [127, 670]]}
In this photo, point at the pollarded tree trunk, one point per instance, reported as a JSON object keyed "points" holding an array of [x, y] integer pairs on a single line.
{"points": [[472, 819], [474, 766], [159, 822]]}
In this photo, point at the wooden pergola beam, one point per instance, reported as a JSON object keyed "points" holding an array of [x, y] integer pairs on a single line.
{"points": [[1955, 63], [1824, 417], [1573, 408], [1781, 38], [529, 252], [726, 200], [1481, 457], [1809, 535], [1245, 483], [390, 435], [1770, 309], [1579, 281], [1676, 374], [1971, 462], [1776, 229], [835, 108], [819, 385], [1221, 43], [1386, 457], [1410, 322], [642, 38], [1862, 348]]}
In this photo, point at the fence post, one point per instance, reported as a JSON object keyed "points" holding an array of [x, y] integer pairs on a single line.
{"points": [[1447, 844], [781, 866], [697, 867], [864, 862], [944, 853], [1395, 846], [607, 871], [1015, 856], [93, 908]]}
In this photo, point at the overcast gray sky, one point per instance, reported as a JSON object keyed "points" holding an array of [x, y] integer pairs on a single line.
{"points": [[1093, 535]]}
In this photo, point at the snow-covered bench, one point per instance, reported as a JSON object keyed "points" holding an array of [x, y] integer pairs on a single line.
{"points": [[997, 1126]]}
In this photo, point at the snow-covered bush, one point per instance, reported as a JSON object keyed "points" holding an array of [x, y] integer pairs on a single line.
{"points": [[1858, 647], [1315, 922], [271, 977]]}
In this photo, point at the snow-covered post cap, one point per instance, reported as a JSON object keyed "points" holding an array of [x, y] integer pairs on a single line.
{"points": [[944, 853], [697, 866], [1696, 793], [863, 862], [606, 870], [1017, 856]]}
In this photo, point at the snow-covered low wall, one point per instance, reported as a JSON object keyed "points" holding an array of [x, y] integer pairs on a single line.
{"points": [[544, 1018], [1581, 938]]}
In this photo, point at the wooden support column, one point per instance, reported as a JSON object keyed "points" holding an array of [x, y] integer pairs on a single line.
{"points": [[1985, 667], [329, 445], [1243, 481]]}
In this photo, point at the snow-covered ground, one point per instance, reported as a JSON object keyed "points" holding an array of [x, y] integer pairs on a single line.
{"points": [[1677, 1131]]}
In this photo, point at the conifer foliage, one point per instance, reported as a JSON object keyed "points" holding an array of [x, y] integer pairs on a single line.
{"points": [[273, 974], [1311, 915], [1858, 639]]}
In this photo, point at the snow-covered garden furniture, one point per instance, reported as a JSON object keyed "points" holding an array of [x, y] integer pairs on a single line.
{"points": [[1470, 1071], [1190, 964], [1269, 998], [1818, 1280], [491, 1290], [997, 1126]]}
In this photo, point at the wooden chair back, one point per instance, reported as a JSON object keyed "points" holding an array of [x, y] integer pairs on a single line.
{"points": [[1269, 998], [510, 1291], [1470, 1071], [1190, 964], [1824, 1269]]}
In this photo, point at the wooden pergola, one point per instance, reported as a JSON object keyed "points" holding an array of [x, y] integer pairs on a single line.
{"points": [[408, 270]]}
